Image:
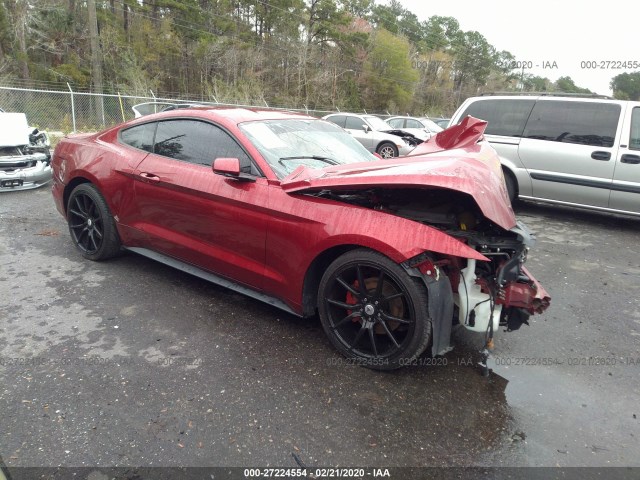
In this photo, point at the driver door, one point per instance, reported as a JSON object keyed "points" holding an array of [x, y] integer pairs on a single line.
{"points": [[356, 127], [190, 213]]}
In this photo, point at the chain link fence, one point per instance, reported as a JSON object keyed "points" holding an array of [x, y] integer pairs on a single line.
{"points": [[71, 111]]}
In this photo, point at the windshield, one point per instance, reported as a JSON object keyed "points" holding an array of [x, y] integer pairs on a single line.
{"points": [[377, 123], [431, 125], [287, 144]]}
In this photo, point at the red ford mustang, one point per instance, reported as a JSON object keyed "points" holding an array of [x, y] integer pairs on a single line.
{"points": [[293, 211]]}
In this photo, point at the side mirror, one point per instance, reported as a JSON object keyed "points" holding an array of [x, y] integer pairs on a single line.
{"points": [[230, 167], [366, 128]]}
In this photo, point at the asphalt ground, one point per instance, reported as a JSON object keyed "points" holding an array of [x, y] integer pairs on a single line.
{"points": [[131, 363]]}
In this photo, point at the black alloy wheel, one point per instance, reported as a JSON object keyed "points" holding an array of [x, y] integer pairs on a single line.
{"points": [[92, 227], [373, 311]]}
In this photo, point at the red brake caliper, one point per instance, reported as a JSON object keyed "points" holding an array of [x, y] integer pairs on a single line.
{"points": [[352, 300]]}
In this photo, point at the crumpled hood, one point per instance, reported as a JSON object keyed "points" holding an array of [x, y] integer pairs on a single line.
{"points": [[465, 134], [474, 170], [14, 130]]}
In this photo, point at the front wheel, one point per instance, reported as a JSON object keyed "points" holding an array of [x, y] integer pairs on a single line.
{"points": [[372, 311], [91, 225], [387, 150]]}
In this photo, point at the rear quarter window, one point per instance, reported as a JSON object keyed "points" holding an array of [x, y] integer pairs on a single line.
{"points": [[140, 136], [585, 123], [505, 117]]}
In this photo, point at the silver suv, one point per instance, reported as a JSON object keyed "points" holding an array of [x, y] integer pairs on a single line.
{"points": [[582, 152], [376, 135]]}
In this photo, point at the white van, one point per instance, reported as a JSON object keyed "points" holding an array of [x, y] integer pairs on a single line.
{"points": [[583, 152]]}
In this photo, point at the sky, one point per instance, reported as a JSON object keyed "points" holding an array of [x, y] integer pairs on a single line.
{"points": [[566, 32]]}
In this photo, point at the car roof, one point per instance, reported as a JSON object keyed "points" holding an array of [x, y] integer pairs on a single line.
{"points": [[352, 114], [548, 98], [232, 114], [409, 117]]}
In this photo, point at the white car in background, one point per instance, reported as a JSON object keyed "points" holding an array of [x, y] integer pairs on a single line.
{"points": [[422, 128], [24, 154], [375, 135]]}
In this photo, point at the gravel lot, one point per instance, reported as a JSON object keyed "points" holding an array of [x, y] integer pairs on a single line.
{"points": [[131, 363]]}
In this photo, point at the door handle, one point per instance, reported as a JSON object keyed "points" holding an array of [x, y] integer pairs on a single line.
{"points": [[600, 155], [150, 177], [628, 158]]}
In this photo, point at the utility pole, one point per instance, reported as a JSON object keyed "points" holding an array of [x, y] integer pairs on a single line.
{"points": [[96, 59]]}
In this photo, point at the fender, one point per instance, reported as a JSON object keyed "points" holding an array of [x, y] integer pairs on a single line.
{"points": [[520, 173]]}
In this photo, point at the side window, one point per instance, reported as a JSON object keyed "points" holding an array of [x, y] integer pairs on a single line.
{"points": [[413, 123], [140, 136], [354, 123], [585, 123], [337, 119], [634, 140], [199, 142], [396, 122], [506, 117]]}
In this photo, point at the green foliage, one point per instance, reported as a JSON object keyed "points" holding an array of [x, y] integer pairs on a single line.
{"points": [[73, 73], [358, 8], [626, 86], [534, 83], [567, 85], [389, 76], [475, 58], [6, 38], [440, 32], [326, 21], [325, 54]]}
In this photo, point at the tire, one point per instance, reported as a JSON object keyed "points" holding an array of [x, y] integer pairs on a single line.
{"points": [[387, 150], [512, 186], [384, 325], [91, 225]]}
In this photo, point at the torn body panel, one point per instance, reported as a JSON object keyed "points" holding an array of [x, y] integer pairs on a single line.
{"points": [[463, 135]]}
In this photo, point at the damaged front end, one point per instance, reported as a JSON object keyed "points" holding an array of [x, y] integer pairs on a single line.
{"points": [[500, 291], [480, 295], [454, 185], [409, 138], [24, 154]]}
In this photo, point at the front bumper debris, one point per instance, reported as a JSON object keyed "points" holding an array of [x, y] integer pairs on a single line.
{"points": [[24, 172]]}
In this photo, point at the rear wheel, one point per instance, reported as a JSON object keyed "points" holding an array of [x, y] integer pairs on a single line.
{"points": [[387, 150], [91, 225], [372, 311]]}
